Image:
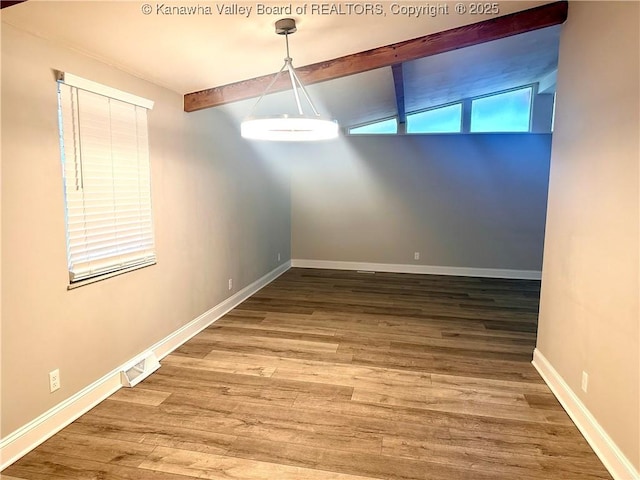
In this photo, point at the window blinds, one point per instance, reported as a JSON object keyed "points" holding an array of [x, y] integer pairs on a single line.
{"points": [[107, 183]]}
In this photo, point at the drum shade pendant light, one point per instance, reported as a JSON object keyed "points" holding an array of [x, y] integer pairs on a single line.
{"points": [[289, 128]]}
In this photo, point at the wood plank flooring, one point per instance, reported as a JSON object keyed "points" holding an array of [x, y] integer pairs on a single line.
{"points": [[334, 375]]}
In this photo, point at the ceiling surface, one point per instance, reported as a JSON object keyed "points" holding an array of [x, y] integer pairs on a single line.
{"points": [[213, 46]]}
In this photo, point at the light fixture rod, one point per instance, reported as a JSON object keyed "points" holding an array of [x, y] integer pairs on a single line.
{"points": [[275, 78], [304, 91], [292, 76], [286, 41], [295, 81]]}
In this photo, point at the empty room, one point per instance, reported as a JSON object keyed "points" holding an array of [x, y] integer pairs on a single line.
{"points": [[324, 241]]}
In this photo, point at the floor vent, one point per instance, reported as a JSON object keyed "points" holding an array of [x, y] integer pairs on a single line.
{"points": [[139, 369], [370, 272]]}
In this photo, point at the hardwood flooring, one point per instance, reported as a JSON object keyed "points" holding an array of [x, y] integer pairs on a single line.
{"points": [[334, 375]]}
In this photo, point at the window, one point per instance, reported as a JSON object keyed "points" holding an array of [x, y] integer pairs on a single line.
{"points": [[503, 112], [105, 156], [499, 112], [447, 119], [388, 126]]}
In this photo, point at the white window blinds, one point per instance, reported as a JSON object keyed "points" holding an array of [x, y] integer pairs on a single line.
{"points": [[105, 156]]}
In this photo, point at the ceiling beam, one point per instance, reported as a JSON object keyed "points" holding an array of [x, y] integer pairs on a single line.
{"points": [[433, 44], [9, 3], [398, 83]]}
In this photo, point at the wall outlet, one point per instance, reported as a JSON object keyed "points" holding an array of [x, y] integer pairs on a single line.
{"points": [[54, 380], [585, 381], [278, 257], [416, 255], [230, 283]]}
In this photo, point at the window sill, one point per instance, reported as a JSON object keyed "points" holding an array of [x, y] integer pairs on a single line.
{"points": [[99, 278]]}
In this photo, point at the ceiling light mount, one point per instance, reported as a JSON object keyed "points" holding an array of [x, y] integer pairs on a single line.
{"points": [[284, 127], [286, 26]]}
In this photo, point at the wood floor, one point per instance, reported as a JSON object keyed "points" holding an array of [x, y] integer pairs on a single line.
{"points": [[339, 376]]}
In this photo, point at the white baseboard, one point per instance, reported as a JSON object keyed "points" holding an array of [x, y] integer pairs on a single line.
{"points": [[420, 269], [29, 436], [180, 336], [605, 448]]}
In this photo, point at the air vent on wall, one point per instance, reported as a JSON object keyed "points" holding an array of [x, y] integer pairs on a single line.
{"points": [[139, 369]]}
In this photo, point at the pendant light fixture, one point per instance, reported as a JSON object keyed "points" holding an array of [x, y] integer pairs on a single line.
{"points": [[284, 127]]}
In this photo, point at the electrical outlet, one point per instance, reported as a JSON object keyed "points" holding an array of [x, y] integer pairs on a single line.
{"points": [[230, 283], [416, 255], [278, 257], [54, 380], [585, 381]]}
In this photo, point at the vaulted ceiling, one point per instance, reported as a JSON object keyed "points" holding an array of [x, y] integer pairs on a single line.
{"points": [[192, 52]]}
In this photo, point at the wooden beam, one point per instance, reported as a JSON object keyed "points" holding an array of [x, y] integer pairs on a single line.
{"points": [[398, 83], [9, 3], [433, 44]]}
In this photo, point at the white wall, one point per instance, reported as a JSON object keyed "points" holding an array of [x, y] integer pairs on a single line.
{"points": [[221, 210], [474, 201], [589, 314]]}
